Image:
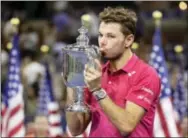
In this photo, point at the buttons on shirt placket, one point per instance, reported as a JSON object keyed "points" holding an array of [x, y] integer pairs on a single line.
{"points": [[110, 79], [109, 82]]}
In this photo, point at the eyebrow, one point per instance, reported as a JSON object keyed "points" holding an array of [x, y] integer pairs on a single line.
{"points": [[107, 33]]}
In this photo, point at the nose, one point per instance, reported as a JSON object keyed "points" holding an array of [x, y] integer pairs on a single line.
{"points": [[102, 41]]}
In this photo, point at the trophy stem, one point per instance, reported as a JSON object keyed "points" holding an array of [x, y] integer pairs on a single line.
{"points": [[79, 105], [79, 92]]}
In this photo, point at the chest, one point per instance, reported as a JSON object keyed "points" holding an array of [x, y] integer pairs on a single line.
{"points": [[117, 87]]}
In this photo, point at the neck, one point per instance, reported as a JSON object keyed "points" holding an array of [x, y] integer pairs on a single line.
{"points": [[119, 63]]}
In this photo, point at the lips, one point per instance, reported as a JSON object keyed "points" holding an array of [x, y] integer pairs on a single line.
{"points": [[103, 53], [102, 49]]}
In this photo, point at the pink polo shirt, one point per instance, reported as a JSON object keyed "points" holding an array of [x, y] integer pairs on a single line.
{"points": [[136, 82]]}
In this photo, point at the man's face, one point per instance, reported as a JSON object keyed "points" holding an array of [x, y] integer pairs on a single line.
{"points": [[111, 40]]}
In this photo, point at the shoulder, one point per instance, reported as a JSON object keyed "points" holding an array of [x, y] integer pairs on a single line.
{"points": [[146, 79], [146, 75], [144, 70]]}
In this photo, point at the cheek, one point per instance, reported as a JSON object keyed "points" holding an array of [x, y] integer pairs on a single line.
{"points": [[113, 44], [116, 45], [115, 50]]}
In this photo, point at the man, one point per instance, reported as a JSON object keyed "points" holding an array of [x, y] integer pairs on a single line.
{"points": [[123, 94]]}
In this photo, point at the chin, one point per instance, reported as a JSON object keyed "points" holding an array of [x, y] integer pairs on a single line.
{"points": [[112, 58]]}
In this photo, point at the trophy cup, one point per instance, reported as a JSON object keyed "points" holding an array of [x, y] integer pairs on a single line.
{"points": [[75, 56]]}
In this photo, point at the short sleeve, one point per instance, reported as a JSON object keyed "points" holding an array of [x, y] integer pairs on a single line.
{"points": [[145, 91]]}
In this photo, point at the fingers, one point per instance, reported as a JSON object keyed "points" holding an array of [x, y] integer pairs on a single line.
{"points": [[99, 67], [89, 71], [89, 75], [88, 79]]}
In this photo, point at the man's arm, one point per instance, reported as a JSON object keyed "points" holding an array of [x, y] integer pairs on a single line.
{"points": [[77, 122], [125, 119]]}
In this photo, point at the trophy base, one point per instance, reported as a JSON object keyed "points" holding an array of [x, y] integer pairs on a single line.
{"points": [[78, 107]]}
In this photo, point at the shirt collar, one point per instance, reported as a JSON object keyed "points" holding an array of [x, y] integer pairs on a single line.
{"points": [[130, 64], [106, 66], [127, 67]]}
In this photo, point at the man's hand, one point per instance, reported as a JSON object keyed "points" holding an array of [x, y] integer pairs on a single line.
{"points": [[92, 76]]}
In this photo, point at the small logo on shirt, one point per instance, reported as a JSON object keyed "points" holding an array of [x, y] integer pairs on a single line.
{"points": [[147, 90], [147, 100], [141, 97], [131, 73]]}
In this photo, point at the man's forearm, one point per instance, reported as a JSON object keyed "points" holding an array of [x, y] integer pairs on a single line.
{"points": [[116, 115], [77, 122], [73, 122]]}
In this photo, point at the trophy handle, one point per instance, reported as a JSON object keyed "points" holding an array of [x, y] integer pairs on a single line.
{"points": [[64, 80], [96, 48], [63, 73]]}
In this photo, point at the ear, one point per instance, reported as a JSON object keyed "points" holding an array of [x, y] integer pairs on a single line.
{"points": [[129, 40]]}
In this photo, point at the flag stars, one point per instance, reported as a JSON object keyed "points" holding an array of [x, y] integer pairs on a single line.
{"points": [[153, 55], [10, 85], [164, 80], [12, 97], [14, 85], [156, 65], [14, 52], [158, 62], [12, 93], [156, 48], [17, 70], [12, 68], [16, 77], [159, 59], [11, 77], [13, 61], [167, 91], [161, 69]]}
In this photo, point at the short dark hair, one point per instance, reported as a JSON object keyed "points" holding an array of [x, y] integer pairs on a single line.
{"points": [[125, 17]]}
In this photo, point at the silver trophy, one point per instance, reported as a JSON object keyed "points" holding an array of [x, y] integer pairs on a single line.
{"points": [[75, 56]]}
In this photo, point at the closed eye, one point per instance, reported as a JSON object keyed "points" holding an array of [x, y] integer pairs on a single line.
{"points": [[111, 36], [100, 35]]}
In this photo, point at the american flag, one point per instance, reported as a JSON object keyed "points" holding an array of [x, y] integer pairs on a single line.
{"points": [[164, 123], [179, 95], [48, 106], [12, 109]]}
